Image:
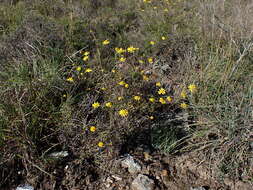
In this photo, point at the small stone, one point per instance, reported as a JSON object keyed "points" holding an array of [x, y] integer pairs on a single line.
{"points": [[142, 182], [60, 154], [25, 187], [197, 188], [117, 178], [131, 164]]}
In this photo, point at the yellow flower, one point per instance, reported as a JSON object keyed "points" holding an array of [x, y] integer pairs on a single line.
{"points": [[88, 70], [169, 99], [141, 62], [145, 77], [120, 98], [163, 38], [161, 91], [70, 79], [92, 128], [108, 104], [106, 42], [132, 49], [86, 53], [150, 60], [192, 88], [155, 7], [147, 1], [119, 50], [166, 10], [137, 98], [151, 100], [85, 58], [122, 83], [95, 105], [113, 70], [152, 43], [100, 144], [123, 112], [78, 68], [126, 85], [183, 94], [151, 117], [162, 101], [103, 88], [122, 59], [183, 105], [158, 84], [64, 95]]}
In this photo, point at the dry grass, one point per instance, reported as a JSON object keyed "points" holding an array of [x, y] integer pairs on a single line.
{"points": [[205, 43]]}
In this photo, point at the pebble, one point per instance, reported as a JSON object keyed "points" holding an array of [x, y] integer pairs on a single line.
{"points": [[131, 164], [142, 182]]}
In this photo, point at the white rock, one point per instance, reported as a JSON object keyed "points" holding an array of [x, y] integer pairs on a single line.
{"points": [[131, 164], [197, 188], [117, 178], [60, 154], [142, 182], [25, 187]]}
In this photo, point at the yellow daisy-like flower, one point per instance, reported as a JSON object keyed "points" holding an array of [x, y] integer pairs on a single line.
{"points": [[169, 98], [152, 43], [105, 42], [86, 53], [70, 79], [132, 49], [119, 50], [183, 94], [92, 128], [95, 105], [163, 38], [147, 1], [100, 144], [183, 105], [79, 68], [108, 104], [137, 98], [85, 58], [122, 59], [120, 98], [158, 84], [113, 70], [123, 113], [145, 77], [103, 88], [192, 88], [151, 100], [64, 95], [126, 85], [161, 91], [150, 60], [121, 83], [151, 117], [88, 70], [141, 62], [162, 101]]}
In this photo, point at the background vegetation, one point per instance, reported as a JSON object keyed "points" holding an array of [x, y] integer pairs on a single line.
{"points": [[48, 88]]}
